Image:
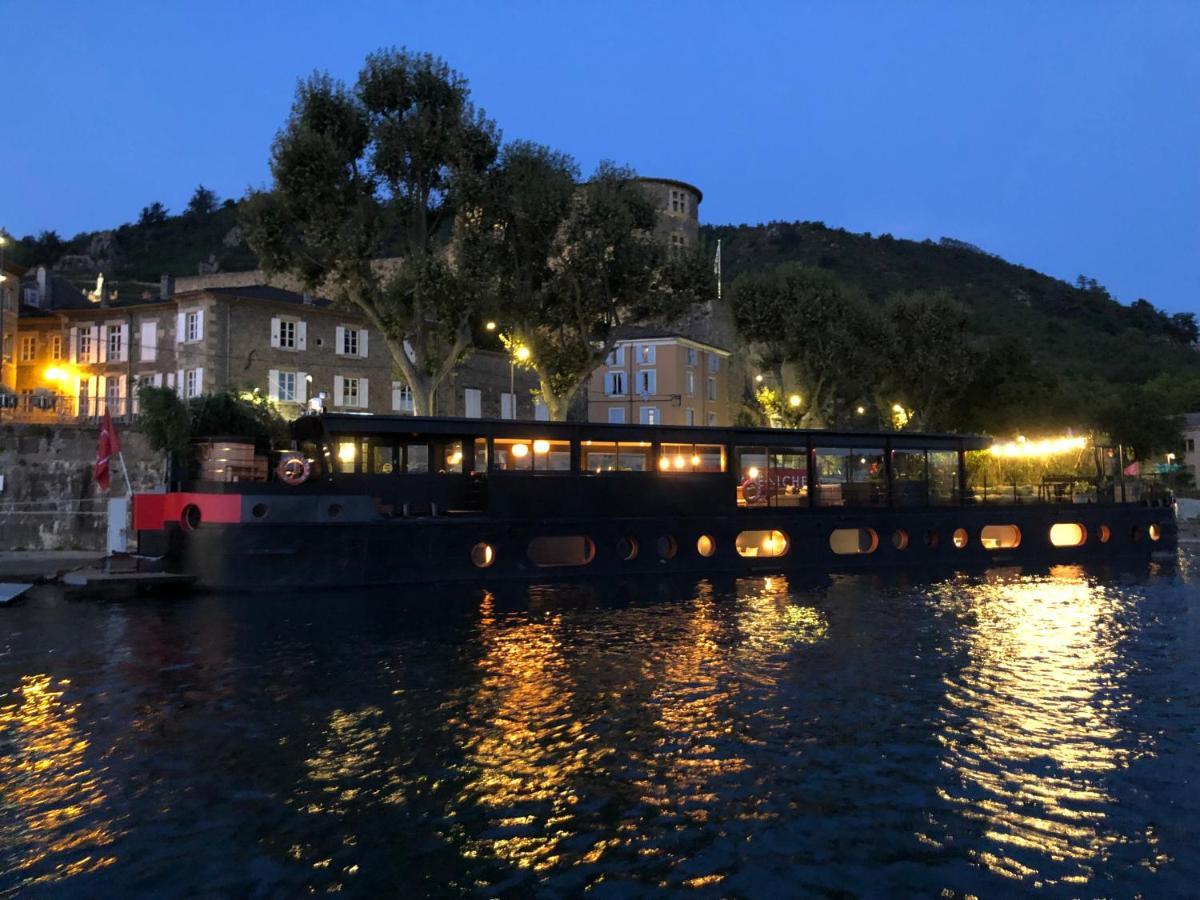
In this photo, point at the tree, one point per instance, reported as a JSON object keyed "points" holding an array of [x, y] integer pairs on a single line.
{"points": [[390, 167], [154, 214], [203, 203], [570, 263], [815, 336], [930, 360]]}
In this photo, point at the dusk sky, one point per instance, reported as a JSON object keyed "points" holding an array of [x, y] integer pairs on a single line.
{"points": [[1062, 136]]}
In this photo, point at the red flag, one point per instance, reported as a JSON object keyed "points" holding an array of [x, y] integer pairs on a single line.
{"points": [[1133, 469], [109, 447]]}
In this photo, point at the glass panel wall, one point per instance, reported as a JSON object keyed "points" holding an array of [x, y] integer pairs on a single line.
{"points": [[787, 476], [908, 478], [691, 458], [416, 458], [752, 476], [634, 456], [850, 476], [532, 455], [943, 477]]}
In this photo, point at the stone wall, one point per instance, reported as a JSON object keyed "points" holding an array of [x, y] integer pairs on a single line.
{"points": [[49, 500]]}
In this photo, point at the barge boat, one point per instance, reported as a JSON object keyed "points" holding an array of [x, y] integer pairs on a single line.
{"points": [[384, 500]]}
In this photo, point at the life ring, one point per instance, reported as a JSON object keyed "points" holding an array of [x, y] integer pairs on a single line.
{"points": [[293, 469]]}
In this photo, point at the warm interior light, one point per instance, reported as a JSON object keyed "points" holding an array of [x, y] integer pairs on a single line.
{"points": [[1022, 447], [346, 452], [752, 472], [695, 459], [680, 462], [664, 464], [541, 446], [520, 450], [454, 458]]}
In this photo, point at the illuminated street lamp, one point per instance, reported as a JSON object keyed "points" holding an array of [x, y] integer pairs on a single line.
{"points": [[794, 401], [520, 355]]}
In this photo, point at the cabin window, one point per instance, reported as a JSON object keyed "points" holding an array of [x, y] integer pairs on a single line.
{"points": [[943, 477], [1067, 534], [908, 478], [960, 538], [1154, 531], [598, 457], [900, 539], [482, 555], [378, 455], [851, 476], [481, 455], [452, 456], [416, 458], [705, 545], [532, 455], [691, 458], [851, 541], [627, 548], [761, 543], [1000, 537], [345, 454], [667, 547], [561, 550], [752, 476], [1105, 534]]}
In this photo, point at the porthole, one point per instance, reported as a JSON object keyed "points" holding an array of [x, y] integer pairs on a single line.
{"points": [[1000, 537], [1105, 534], [850, 541], [550, 551], [482, 555], [335, 510], [666, 546], [1135, 533], [627, 548], [960, 538], [932, 539], [259, 510], [900, 539], [190, 517], [1154, 531], [1067, 534], [761, 543], [705, 545]]}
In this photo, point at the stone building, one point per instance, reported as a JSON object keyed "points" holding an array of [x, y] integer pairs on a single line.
{"points": [[658, 377]]}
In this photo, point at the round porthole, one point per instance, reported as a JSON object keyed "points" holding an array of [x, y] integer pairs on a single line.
{"points": [[705, 545], [482, 555], [627, 549], [667, 547], [960, 538], [189, 518], [900, 539], [1135, 533], [1105, 534], [1154, 531], [259, 510], [335, 510]]}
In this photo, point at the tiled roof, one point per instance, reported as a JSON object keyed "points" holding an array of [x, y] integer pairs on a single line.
{"points": [[266, 292]]}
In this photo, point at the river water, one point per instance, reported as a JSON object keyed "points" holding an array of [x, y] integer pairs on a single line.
{"points": [[969, 734]]}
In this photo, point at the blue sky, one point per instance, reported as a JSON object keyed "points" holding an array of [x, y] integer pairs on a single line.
{"points": [[1064, 136]]}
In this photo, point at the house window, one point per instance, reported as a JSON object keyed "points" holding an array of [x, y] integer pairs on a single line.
{"points": [[614, 384], [616, 415], [349, 389], [691, 417], [691, 383], [191, 383], [472, 403], [646, 382], [287, 336], [714, 363], [85, 344], [712, 419], [112, 397], [287, 387], [1191, 445], [508, 405], [693, 356], [648, 415], [114, 342], [712, 389], [350, 341], [646, 354], [191, 326], [402, 397], [56, 346], [28, 347], [616, 357]]}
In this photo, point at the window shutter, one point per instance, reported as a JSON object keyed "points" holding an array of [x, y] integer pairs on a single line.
{"points": [[73, 348], [337, 390], [541, 412], [301, 387], [273, 385], [148, 343], [180, 325], [124, 342], [93, 407], [101, 394], [102, 344], [362, 343], [179, 383], [199, 381], [362, 393], [157, 379], [123, 404], [396, 385], [200, 325], [339, 340], [275, 332], [301, 335]]}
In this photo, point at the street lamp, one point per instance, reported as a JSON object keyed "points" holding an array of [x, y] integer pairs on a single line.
{"points": [[794, 401], [520, 354]]}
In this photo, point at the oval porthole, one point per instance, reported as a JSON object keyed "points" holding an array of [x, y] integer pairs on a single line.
{"points": [[482, 555], [335, 510], [190, 517], [1154, 531], [900, 539], [627, 549], [960, 538], [1105, 534], [551, 551], [705, 545], [850, 541], [932, 539], [999, 537], [667, 548], [761, 543], [1067, 534], [259, 510]]}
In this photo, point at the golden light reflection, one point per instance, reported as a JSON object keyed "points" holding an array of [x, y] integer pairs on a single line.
{"points": [[1032, 729], [51, 797]]}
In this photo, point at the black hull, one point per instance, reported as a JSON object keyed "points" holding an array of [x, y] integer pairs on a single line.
{"points": [[383, 552]]}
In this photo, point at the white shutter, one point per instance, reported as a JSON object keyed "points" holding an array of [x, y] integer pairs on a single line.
{"points": [[362, 343], [301, 387], [541, 412], [339, 340], [199, 381], [472, 403], [301, 335], [149, 342], [179, 383], [362, 393], [123, 404], [199, 324], [101, 394], [396, 385], [73, 348], [180, 327], [275, 332], [93, 393], [124, 342], [134, 400], [157, 379], [337, 390], [102, 344], [273, 385]]}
